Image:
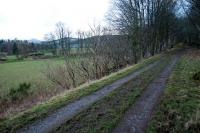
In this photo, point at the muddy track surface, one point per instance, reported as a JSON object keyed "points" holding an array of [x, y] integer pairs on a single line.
{"points": [[67, 112], [136, 118]]}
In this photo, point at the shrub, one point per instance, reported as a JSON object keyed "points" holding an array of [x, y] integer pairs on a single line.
{"points": [[36, 54], [196, 76], [3, 55], [20, 92]]}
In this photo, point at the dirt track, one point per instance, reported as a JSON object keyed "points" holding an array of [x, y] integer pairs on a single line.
{"points": [[136, 118]]}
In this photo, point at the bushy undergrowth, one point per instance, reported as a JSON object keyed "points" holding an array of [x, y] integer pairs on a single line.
{"points": [[76, 72], [17, 94], [20, 92], [197, 76]]}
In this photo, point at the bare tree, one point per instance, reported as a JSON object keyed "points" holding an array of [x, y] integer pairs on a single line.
{"points": [[195, 13], [81, 37], [63, 35], [147, 23], [51, 40]]}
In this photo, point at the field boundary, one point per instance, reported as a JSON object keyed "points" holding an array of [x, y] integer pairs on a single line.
{"points": [[65, 113]]}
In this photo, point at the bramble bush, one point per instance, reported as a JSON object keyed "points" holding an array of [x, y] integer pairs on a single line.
{"points": [[20, 92]]}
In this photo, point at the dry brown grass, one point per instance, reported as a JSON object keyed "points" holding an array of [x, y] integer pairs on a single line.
{"points": [[9, 107], [193, 53]]}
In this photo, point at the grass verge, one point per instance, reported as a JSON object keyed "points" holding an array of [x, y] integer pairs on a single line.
{"points": [[14, 122], [103, 115], [179, 110]]}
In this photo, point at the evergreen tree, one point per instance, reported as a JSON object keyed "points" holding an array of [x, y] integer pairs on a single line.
{"points": [[15, 49]]}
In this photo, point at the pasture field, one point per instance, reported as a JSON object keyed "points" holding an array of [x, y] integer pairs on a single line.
{"points": [[14, 73]]}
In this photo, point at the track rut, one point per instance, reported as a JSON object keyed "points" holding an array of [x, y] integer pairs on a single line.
{"points": [[136, 118]]}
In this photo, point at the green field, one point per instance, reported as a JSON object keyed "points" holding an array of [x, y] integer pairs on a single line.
{"points": [[14, 73]]}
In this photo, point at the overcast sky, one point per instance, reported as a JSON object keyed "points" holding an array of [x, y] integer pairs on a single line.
{"points": [[27, 19]]}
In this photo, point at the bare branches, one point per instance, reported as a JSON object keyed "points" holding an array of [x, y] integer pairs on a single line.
{"points": [[108, 53], [147, 23]]}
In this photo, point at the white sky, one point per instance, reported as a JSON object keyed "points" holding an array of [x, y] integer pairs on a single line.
{"points": [[27, 19]]}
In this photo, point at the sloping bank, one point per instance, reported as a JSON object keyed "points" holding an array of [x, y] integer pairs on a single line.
{"points": [[104, 114], [14, 122]]}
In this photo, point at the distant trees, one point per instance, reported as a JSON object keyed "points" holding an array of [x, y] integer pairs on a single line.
{"points": [[81, 36], [21, 48], [60, 39], [51, 40], [60, 33], [15, 49], [99, 54], [63, 35]]}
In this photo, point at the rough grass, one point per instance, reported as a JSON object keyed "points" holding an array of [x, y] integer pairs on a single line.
{"points": [[12, 74], [179, 110], [106, 113], [15, 72], [13, 122]]}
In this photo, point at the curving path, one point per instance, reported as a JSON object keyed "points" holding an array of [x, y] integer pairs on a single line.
{"points": [[136, 118], [67, 112]]}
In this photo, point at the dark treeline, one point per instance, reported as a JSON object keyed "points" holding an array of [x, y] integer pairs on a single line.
{"points": [[154, 25], [194, 13], [190, 23], [20, 48]]}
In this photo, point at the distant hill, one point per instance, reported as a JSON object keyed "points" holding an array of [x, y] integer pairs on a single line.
{"points": [[74, 42], [35, 41]]}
